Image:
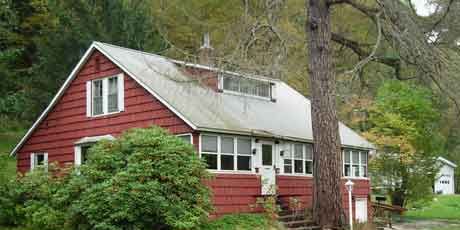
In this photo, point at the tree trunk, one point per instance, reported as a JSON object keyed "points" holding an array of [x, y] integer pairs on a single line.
{"points": [[327, 199]]}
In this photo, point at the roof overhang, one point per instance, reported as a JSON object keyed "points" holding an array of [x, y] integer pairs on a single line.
{"points": [[264, 134], [70, 78], [447, 162]]}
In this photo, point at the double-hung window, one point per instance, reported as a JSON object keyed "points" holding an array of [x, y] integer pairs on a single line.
{"points": [[354, 163], [81, 153], [244, 154], [300, 160], [227, 153], [105, 95]]}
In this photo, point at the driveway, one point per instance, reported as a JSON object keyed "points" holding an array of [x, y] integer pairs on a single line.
{"points": [[428, 225]]}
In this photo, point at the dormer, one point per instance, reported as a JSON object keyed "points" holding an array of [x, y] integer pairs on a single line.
{"points": [[247, 86]]}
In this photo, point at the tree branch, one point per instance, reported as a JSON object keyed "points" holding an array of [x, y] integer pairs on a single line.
{"points": [[369, 11]]}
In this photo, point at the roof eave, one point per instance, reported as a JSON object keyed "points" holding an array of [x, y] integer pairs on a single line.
{"points": [[55, 98], [269, 135]]}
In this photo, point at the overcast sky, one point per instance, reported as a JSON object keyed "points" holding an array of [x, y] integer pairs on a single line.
{"points": [[422, 7]]}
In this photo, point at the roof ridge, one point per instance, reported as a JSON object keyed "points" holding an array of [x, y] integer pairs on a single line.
{"points": [[191, 64]]}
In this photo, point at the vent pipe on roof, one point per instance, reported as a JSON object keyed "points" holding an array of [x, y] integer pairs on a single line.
{"points": [[206, 51]]}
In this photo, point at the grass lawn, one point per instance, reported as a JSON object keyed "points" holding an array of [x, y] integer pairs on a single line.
{"points": [[239, 222], [442, 207], [7, 163]]}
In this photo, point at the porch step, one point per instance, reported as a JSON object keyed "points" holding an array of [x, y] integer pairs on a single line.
{"points": [[294, 219], [298, 223], [290, 217]]}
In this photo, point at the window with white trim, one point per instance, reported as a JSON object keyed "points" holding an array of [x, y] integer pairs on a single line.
{"points": [[355, 163], [38, 160], [187, 138], [227, 153], [300, 160], [248, 86], [81, 153], [105, 95]]}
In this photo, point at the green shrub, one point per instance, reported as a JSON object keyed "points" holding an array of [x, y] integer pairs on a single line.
{"points": [[146, 179]]}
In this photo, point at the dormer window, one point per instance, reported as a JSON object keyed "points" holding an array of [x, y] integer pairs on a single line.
{"points": [[247, 86]]}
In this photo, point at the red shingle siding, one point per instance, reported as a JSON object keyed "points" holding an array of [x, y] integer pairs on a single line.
{"points": [[67, 122], [302, 189], [234, 193]]}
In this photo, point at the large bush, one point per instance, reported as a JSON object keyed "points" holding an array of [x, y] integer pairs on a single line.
{"points": [[146, 179]]}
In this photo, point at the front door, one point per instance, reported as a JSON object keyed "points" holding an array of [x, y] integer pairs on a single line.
{"points": [[268, 169], [361, 210]]}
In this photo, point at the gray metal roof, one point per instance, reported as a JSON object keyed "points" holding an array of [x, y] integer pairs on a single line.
{"points": [[287, 118]]}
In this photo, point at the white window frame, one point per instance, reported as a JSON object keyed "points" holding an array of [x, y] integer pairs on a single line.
{"points": [[77, 155], [186, 134], [271, 87], [105, 95], [293, 159], [235, 153], [362, 175], [33, 160], [87, 141]]}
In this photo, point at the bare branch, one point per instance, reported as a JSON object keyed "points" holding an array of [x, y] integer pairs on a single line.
{"points": [[370, 57], [443, 16]]}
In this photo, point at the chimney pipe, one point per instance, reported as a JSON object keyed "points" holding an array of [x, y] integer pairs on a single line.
{"points": [[206, 51]]}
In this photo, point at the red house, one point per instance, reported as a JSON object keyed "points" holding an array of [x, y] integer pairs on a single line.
{"points": [[249, 129]]}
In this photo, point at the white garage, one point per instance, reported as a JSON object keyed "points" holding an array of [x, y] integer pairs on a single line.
{"points": [[445, 183]]}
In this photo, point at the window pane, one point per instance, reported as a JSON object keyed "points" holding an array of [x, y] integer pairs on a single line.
{"points": [[244, 146], [113, 85], [308, 167], [186, 138], [113, 95], [113, 103], [347, 156], [84, 153], [97, 88], [364, 158], [209, 143], [309, 152], [363, 171], [287, 169], [211, 160], [287, 154], [244, 163], [355, 170], [263, 89], [355, 157], [245, 85], [40, 159], [231, 83], [97, 97], [287, 166], [347, 170], [226, 162], [298, 151], [267, 155], [298, 166], [253, 87], [226, 145]]}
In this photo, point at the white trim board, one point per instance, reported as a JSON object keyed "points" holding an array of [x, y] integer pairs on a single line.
{"points": [[70, 78]]}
